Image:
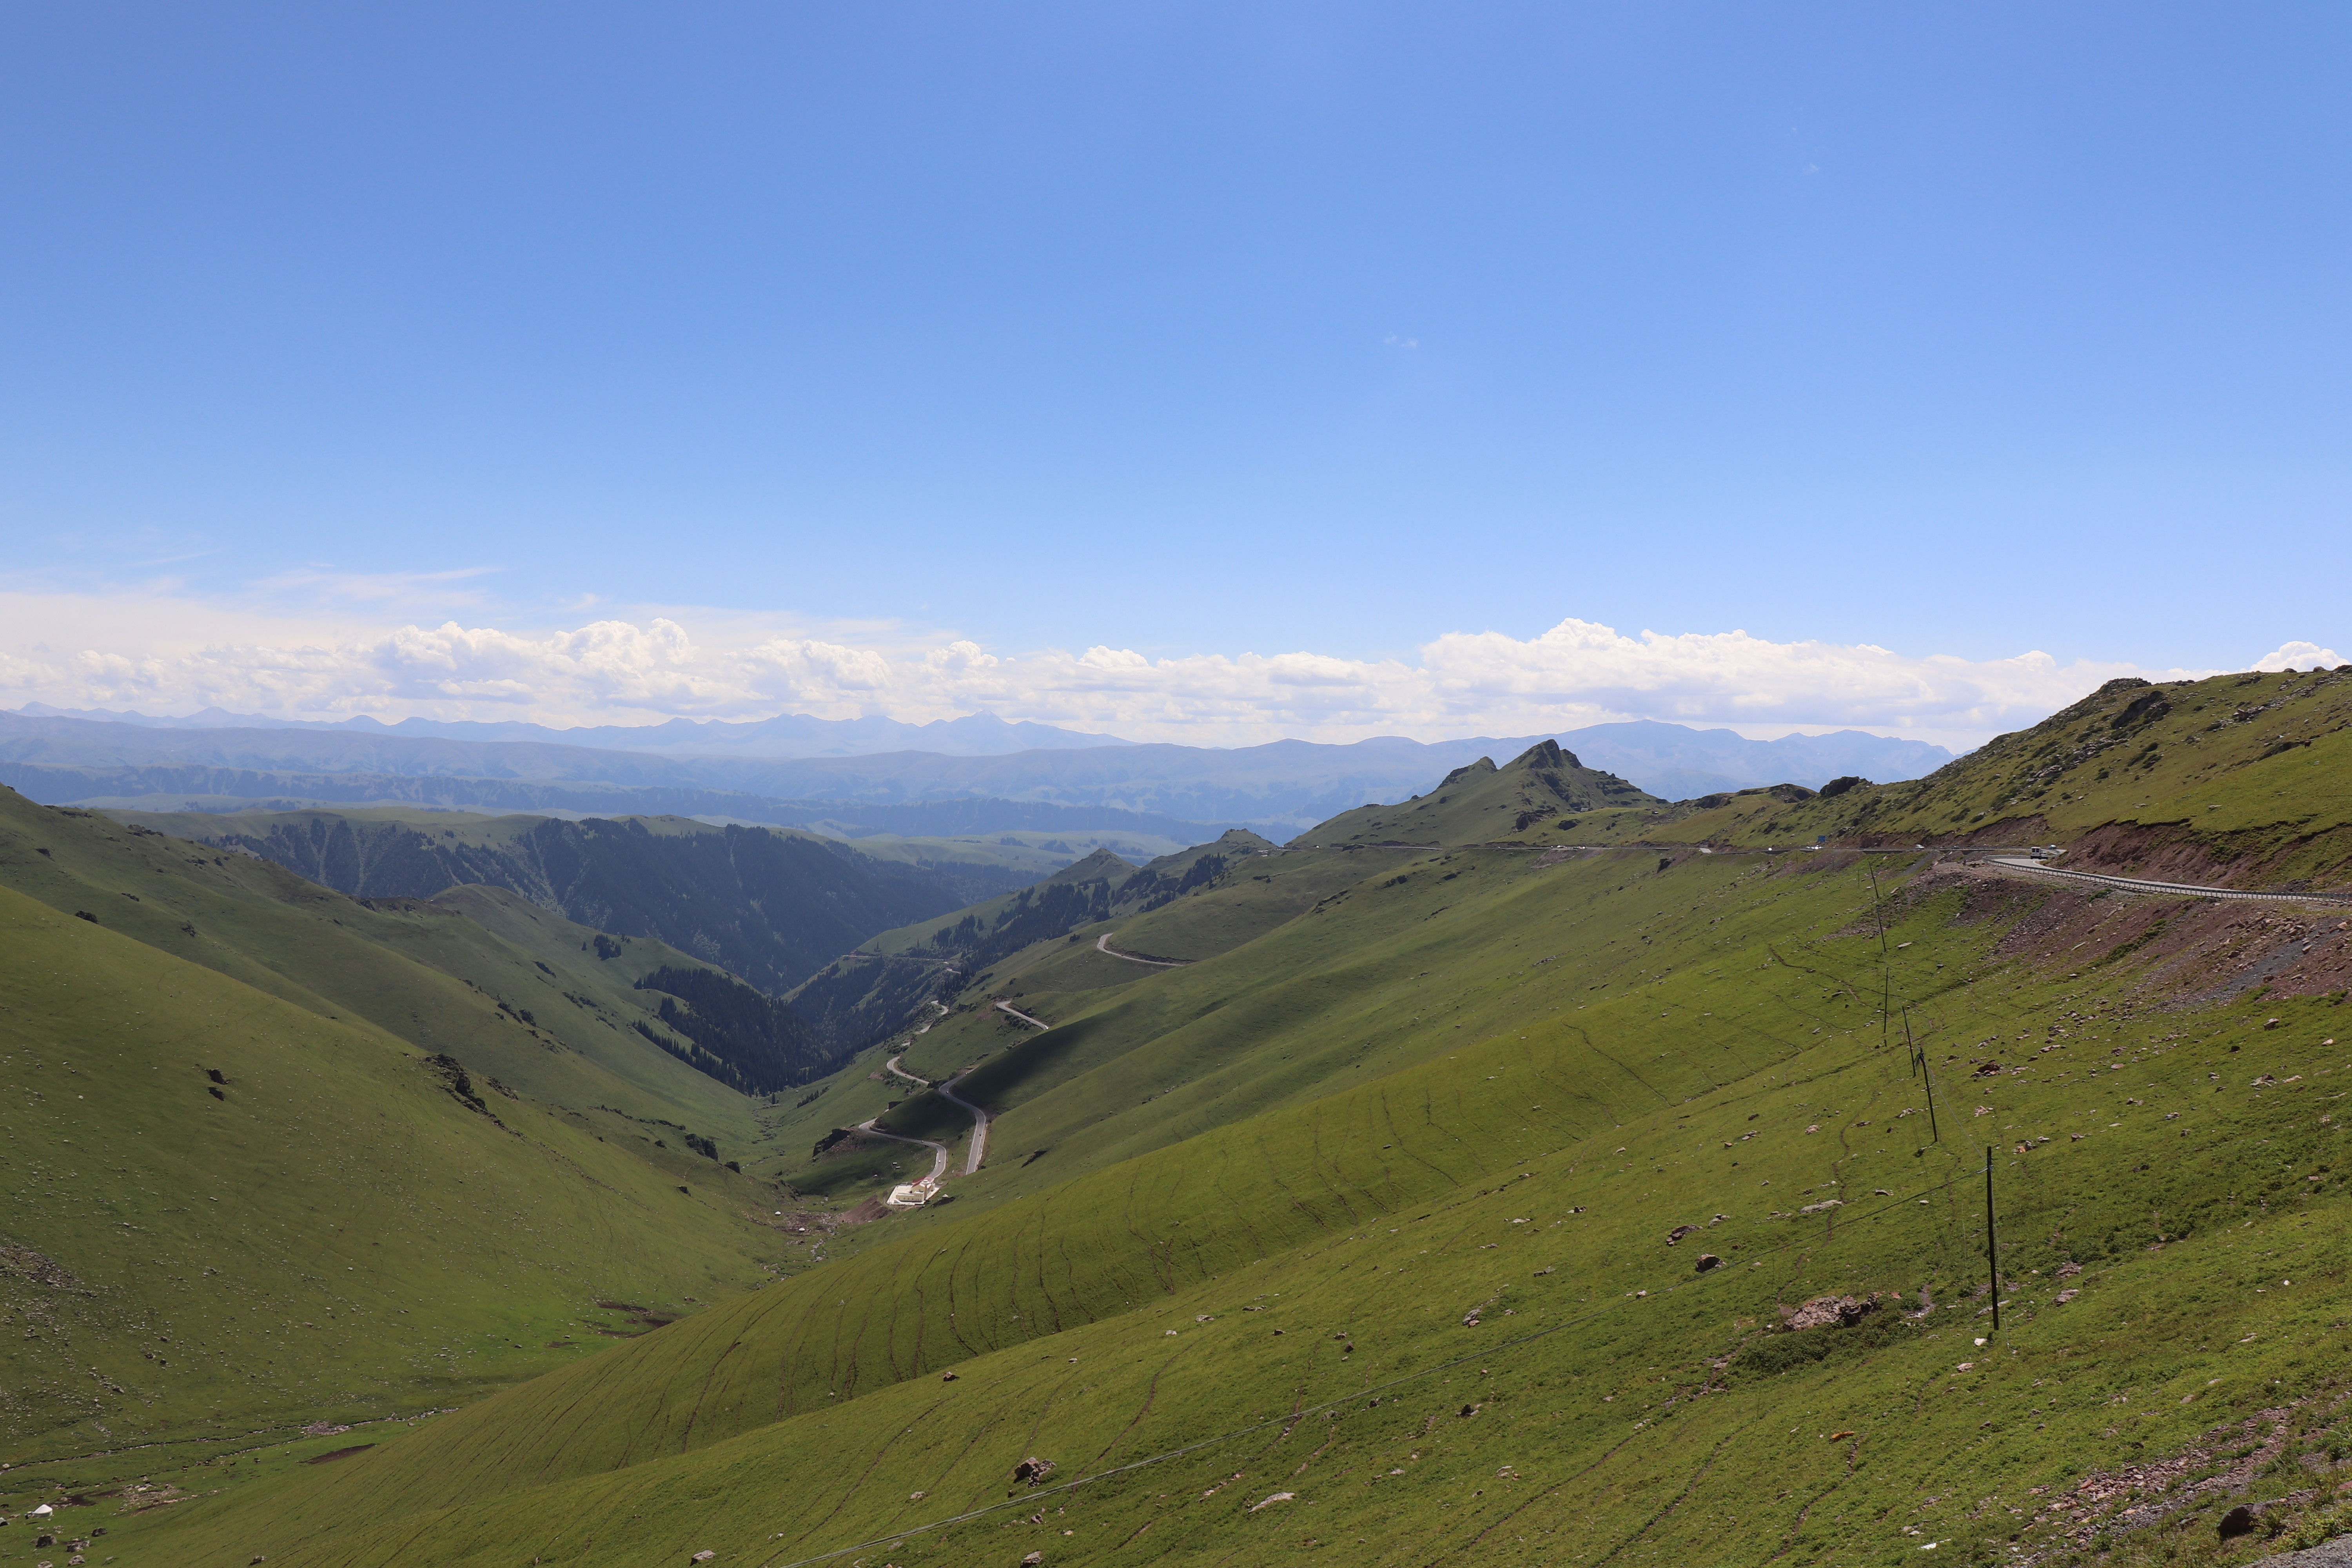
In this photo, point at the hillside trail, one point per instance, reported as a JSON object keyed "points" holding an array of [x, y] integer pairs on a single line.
{"points": [[1035, 1023], [2140, 885], [1102, 944]]}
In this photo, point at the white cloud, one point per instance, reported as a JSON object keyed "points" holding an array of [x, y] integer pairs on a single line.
{"points": [[162, 654], [2299, 655]]}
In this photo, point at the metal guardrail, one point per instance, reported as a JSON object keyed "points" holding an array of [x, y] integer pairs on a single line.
{"points": [[2178, 890]]}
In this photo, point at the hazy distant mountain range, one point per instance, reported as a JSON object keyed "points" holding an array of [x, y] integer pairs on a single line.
{"points": [[720, 769], [787, 735]]}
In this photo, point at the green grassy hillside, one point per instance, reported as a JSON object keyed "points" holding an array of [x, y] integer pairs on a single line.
{"points": [[548, 1006], [1481, 803], [2237, 780], [1569, 1138], [1229, 1266], [230, 1214]]}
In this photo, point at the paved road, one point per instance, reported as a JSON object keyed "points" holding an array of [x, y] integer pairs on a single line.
{"points": [[978, 1147], [1009, 1007], [2137, 884], [1102, 944], [939, 1150], [978, 1150]]}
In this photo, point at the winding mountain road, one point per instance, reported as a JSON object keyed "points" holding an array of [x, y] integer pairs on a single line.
{"points": [[1034, 1023], [939, 1150], [1102, 944], [2140, 885], [977, 1149]]}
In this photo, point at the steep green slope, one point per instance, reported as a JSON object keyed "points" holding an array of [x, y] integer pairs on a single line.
{"points": [[555, 1013], [1737, 1085], [770, 904], [1481, 803], [229, 1214], [2238, 780]]}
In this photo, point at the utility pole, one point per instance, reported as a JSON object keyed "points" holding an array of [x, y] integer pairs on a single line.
{"points": [[1993, 1245], [1886, 978], [1919, 1066]]}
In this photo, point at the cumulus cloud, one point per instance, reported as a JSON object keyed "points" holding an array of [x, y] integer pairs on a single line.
{"points": [[2299, 655], [627, 671]]}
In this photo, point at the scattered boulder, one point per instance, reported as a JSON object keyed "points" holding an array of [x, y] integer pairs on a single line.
{"points": [[1827, 1311], [2068, 1269], [1823, 1206], [947, 1376], [1033, 1469], [702, 1557], [1033, 1560], [1708, 1261], [2239, 1521], [1679, 1232]]}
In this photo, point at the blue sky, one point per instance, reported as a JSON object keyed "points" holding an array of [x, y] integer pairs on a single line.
{"points": [[1194, 332]]}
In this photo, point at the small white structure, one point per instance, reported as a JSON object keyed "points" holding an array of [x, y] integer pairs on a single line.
{"points": [[912, 1194]]}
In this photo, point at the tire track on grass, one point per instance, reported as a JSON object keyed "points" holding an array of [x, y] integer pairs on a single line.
{"points": [[1151, 1397]]}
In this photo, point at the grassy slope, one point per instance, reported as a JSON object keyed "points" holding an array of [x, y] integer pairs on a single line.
{"points": [[433, 973], [1370, 1214], [2238, 778], [335, 1236], [1374, 1092]]}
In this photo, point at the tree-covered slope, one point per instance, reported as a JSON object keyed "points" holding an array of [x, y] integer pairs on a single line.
{"points": [[887, 981], [769, 905]]}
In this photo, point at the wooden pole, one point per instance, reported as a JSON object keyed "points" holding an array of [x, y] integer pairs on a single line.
{"points": [[1992, 1245], [1919, 1065]]}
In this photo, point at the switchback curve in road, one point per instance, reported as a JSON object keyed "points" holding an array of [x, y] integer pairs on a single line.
{"points": [[976, 1150], [978, 1147], [939, 1150]]}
